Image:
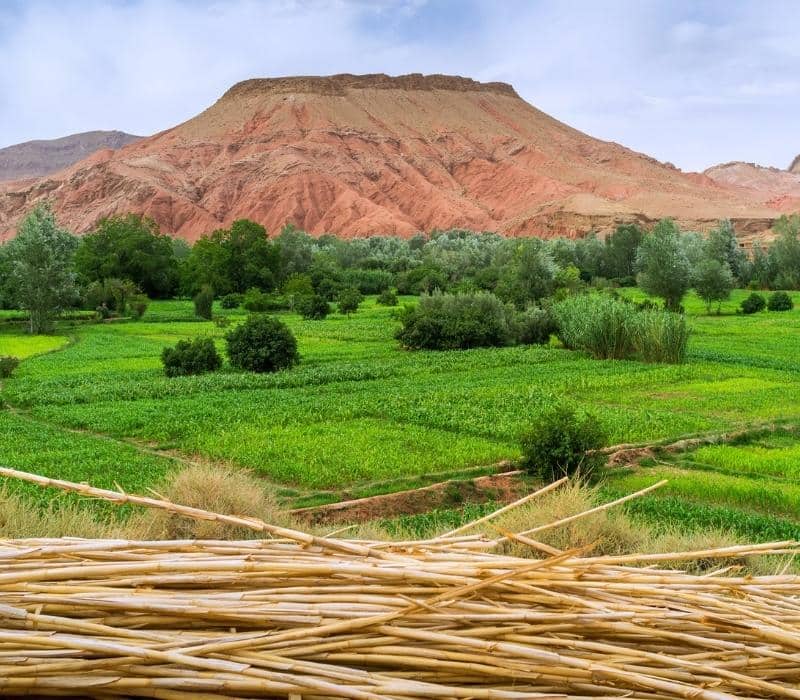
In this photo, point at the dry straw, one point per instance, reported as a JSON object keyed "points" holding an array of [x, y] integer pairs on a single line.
{"points": [[299, 616]]}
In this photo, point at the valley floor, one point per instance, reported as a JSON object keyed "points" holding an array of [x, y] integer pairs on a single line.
{"points": [[360, 416]]}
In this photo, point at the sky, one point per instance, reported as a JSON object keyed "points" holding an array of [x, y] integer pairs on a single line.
{"points": [[692, 83]]}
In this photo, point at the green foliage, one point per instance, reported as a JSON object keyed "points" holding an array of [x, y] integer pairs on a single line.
{"points": [[262, 344], [753, 304], [113, 294], [784, 254], [138, 305], [534, 326], [40, 261], [256, 301], [233, 260], [8, 364], [456, 322], [620, 252], [664, 269], [129, 248], [713, 282], [313, 308], [191, 357], [562, 442], [660, 336], [233, 300], [387, 298], [612, 329], [204, 302], [723, 246], [296, 288], [780, 301], [348, 300], [599, 325], [368, 281], [528, 276]]}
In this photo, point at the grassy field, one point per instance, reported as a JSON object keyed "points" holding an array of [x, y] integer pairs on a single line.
{"points": [[359, 410]]}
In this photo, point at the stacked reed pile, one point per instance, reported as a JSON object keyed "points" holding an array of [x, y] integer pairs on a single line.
{"points": [[299, 616]]}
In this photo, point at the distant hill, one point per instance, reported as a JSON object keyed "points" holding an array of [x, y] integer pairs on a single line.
{"points": [[38, 158], [357, 155], [773, 187]]}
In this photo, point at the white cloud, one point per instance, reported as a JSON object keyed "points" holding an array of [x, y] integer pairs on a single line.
{"points": [[692, 84]]}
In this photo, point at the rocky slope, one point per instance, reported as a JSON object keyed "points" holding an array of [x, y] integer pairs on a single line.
{"points": [[37, 158], [360, 155], [771, 187]]}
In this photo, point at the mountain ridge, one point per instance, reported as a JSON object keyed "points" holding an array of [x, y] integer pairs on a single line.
{"points": [[361, 155]]}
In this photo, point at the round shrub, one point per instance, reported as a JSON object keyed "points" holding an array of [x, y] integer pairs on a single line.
{"points": [[349, 300], [7, 366], [262, 344], [203, 302], [780, 301], [563, 442], [138, 305], [535, 326], [753, 304], [191, 357], [313, 308], [387, 298], [231, 301]]}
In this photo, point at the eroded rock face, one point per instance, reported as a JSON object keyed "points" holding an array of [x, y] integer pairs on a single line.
{"points": [[772, 187], [37, 158], [363, 155]]}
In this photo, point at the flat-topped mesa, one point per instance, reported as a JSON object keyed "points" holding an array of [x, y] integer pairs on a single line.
{"points": [[338, 84]]}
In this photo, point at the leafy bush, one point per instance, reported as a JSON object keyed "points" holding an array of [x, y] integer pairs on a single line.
{"points": [[349, 300], [262, 344], [255, 300], [138, 305], [222, 321], [203, 302], [368, 281], [599, 325], [231, 301], [313, 308], [7, 366], [456, 322], [535, 326], [780, 301], [191, 357], [387, 298], [753, 304], [562, 442]]}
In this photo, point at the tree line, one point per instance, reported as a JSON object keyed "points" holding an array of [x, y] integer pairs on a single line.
{"points": [[126, 259]]}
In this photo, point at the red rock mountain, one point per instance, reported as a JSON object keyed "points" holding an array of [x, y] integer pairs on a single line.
{"points": [[772, 187], [373, 154], [37, 158]]}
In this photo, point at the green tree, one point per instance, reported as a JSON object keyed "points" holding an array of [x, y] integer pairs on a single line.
{"points": [[620, 251], [784, 254], [349, 300], [528, 276], [713, 282], [129, 247], [664, 269], [723, 245], [41, 268]]}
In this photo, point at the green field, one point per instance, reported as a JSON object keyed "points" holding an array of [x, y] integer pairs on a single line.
{"points": [[85, 404]]}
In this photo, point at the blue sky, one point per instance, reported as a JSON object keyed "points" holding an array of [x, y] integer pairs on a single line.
{"points": [[693, 83]]}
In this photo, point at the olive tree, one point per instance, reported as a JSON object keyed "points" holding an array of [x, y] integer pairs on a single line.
{"points": [[664, 269], [41, 268], [713, 282]]}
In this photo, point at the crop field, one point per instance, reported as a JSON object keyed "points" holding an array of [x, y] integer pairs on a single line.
{"points": [[92, 404]]}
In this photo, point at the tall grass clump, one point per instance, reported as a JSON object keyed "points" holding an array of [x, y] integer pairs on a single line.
{"points": [[599, 325], [660, 336], [613, 329]]}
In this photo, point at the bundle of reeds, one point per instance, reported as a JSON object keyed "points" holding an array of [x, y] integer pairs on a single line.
{"points": [[300, 616]]}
